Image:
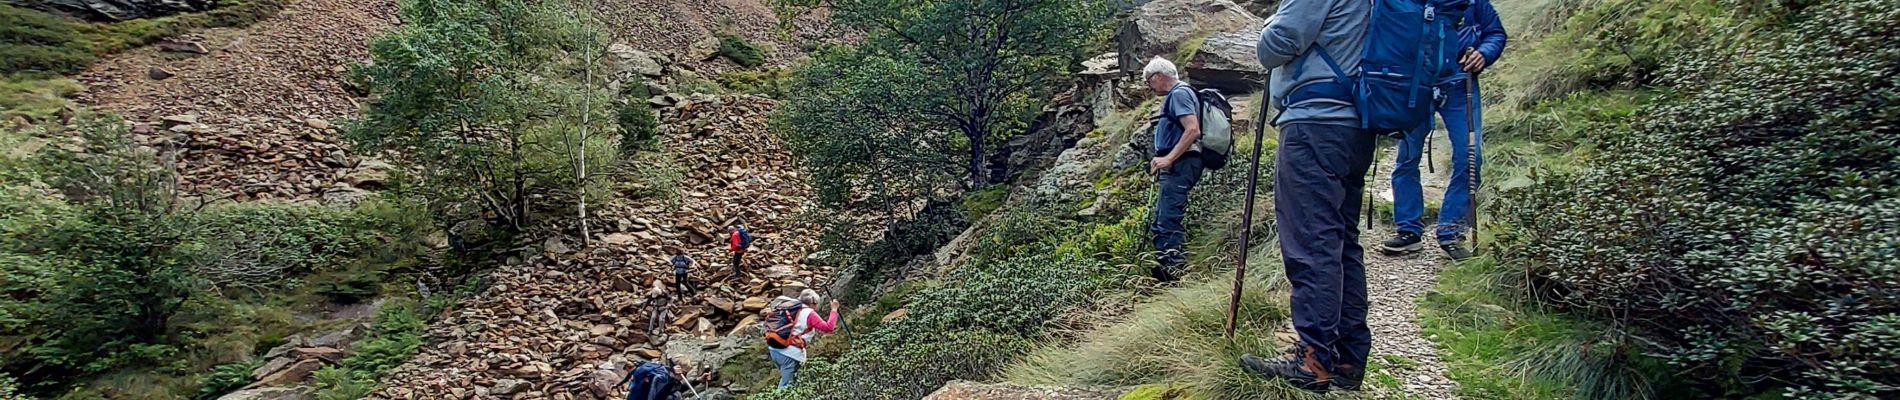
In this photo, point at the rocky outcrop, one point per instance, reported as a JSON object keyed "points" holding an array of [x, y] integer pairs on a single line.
{"points": [[966, 390], [115, 10], [1162, 26], [274, 393], [571, 317], [1226, 61]]}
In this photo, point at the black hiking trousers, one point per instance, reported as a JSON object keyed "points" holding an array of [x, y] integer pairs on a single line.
{"points": [[1319, 181]]}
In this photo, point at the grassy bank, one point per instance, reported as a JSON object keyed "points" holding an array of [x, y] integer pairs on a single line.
{"points": [[37, 49]]}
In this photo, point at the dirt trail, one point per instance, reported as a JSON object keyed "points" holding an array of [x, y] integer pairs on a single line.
{"points": [[1396, 283]]}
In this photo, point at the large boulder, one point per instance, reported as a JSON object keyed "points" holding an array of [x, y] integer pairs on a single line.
{"points": [[966, 390], [115, 10], [1226, 61], [1163, 26], [630, 61]]}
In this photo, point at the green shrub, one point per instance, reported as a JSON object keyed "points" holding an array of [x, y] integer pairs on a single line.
{"points": [[91, 278], [33, 41], [736, 48], [10, 389], [224, 379], [1742, 228], [768, 82], [980, 318], [638, 127], [335, 383], [396, 336]]}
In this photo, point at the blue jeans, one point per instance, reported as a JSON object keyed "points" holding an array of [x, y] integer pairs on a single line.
{"points": [[1409, 199], [1171, 207], [787, 367], [1319, 183]]}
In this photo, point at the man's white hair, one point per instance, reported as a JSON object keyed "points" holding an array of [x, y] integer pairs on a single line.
{"points": [[1160, 66]]}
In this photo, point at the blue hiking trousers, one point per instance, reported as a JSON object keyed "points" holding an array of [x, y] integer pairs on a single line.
{"points": [[1319, 178], [1408, 197]]}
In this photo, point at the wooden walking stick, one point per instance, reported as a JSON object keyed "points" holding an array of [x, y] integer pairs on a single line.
{"points": [[1246, 215]]}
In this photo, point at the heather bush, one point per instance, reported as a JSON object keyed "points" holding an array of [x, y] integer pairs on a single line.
{"points": [[1744, 228]]}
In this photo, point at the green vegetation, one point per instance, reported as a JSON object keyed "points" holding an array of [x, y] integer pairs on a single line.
{"points": [[1688, 200], [395, 337], [983, 316], [768, 82], [493, 120], [639, 128], [224, 379], [1486, 338], [114, 277], [981, 69], [36, 48], [736, 48], [1175, 337]]}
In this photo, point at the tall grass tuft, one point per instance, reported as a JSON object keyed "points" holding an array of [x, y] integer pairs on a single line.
{"points": [[1176, 338]]}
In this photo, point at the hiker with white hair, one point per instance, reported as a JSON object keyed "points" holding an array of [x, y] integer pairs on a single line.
{"points": [[1177, 165], [791, 324]]}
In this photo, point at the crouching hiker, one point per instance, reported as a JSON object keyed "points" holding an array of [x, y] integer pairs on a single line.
{"points": [[790, 326], [1176, 165], [660, 381]]}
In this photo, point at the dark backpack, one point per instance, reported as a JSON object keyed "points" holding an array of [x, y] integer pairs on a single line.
{"points": [[779, 327], [745, 239], [649, 379]]}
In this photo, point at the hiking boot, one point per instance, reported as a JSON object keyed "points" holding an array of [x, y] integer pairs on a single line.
{"points": [[1456, 250], [1303, 371], [1345, 377], [1348, 377], [1405, 242]]}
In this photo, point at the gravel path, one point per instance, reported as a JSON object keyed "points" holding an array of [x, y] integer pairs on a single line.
{"points": [[1395, 284]]}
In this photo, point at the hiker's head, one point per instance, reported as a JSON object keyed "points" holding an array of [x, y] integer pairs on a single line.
{"points": [[1160, 74], [809, 297]]}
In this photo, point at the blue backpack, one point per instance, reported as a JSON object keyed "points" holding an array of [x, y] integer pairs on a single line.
{"points": [[1410, 50], [651, 381]]}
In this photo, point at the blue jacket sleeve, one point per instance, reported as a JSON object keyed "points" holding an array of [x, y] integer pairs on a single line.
{"points": [[1491, 36]]}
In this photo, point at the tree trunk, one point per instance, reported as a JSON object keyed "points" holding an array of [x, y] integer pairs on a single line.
{"points": [[977, 179]]}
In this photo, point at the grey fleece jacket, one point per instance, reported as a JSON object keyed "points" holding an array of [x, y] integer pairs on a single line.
{"points": [[1339, 26]]}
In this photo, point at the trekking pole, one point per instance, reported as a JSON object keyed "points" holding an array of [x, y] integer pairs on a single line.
{"points": [[1246, 215], [1374, 175], [1429, 167], [1471, 157]]}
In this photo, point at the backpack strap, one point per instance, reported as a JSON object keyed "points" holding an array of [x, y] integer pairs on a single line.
{"points": [[1170, 97]]}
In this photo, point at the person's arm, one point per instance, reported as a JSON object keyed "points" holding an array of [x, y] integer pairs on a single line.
{"points": [[1190, 132], [1491, 36], [1291, 29], [826, 324]]}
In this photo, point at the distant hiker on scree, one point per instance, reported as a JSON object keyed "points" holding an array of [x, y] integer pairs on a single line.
{"points": [[740, 241], [1319, 176], [1176, 165], [681, 265], [790, 326], [1482, 38]]}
